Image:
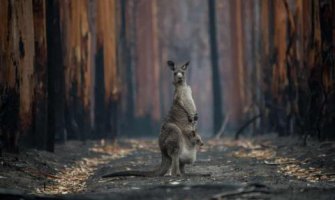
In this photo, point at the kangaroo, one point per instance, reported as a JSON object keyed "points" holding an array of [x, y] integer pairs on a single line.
{"points": [[177, 149], [178, 140], [183, 93]]}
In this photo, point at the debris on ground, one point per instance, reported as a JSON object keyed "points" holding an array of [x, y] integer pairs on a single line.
{"points": [[244, 168]]}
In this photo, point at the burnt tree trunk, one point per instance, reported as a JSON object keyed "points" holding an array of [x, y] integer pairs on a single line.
{"points": [[40, 111], [78, 55], [237, 72], [56, 81], [99, 95], [16, 71], [106, 64], [217, 101], [9, 79]]}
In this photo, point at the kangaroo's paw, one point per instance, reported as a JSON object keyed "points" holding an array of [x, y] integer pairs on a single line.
{"points": [[196, 117], [190, 119]]}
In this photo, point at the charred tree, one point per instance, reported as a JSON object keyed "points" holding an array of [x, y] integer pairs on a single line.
{"points": [[237, 72], [9, 80], [40, 117], [217, 102], [76, 32], [326, 119], [125, 62], [56, 79], [99, 95], [16, 71], [106, 68]]}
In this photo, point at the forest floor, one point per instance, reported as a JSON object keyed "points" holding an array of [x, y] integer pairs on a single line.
{"points": [[259, 168]]}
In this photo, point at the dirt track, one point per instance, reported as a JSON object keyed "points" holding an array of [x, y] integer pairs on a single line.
{"points": [[263, 168]]}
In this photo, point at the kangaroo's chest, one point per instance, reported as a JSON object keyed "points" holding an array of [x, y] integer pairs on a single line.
{"points": [[186, 97], [188, 156]]}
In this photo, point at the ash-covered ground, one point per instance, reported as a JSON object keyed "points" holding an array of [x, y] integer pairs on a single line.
{"points": [[263, 168]]}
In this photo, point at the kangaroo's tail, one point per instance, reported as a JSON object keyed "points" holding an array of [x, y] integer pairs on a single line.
{"points": [[161, 171]]}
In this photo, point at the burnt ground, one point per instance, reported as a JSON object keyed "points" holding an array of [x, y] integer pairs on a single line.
{"points": [[263, 168]]}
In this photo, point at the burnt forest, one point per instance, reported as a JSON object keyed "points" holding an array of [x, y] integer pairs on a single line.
{"points": [[167, 99]]}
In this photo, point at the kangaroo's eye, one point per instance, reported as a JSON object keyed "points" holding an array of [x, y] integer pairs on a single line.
{"points": [[175, 73]]}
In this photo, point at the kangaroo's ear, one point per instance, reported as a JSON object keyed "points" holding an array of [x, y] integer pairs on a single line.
{"points": [[171, 65], [184, 67]]}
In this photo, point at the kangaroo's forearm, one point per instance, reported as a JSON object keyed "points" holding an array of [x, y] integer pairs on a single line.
{"points": [[191, 116]]}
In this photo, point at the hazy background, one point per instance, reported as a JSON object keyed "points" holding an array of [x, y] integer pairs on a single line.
{"points": [[85, 69]]}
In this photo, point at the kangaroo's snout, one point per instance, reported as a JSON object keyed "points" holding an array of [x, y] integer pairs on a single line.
{"points": [[179, 76]]}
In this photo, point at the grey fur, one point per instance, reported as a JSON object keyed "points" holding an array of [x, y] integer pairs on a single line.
{"points": [[183, 102], [183, 93]]}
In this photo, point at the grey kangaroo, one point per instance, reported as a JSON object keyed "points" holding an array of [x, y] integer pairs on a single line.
{"points": [[178, 140]]}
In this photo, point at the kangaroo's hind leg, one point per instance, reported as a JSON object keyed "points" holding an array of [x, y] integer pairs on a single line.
{"points": [[170, 142], [175, 165], [174, 152]]}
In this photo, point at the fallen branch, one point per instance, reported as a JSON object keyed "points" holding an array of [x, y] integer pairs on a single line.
{"points": [[36, 173], [250, 121], [249, 189]]}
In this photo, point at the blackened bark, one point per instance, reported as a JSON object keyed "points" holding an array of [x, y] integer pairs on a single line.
{"points": [[40, 108], [99, 95], [111, 120], [56, 84], [129, 71], [217, 98]]}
